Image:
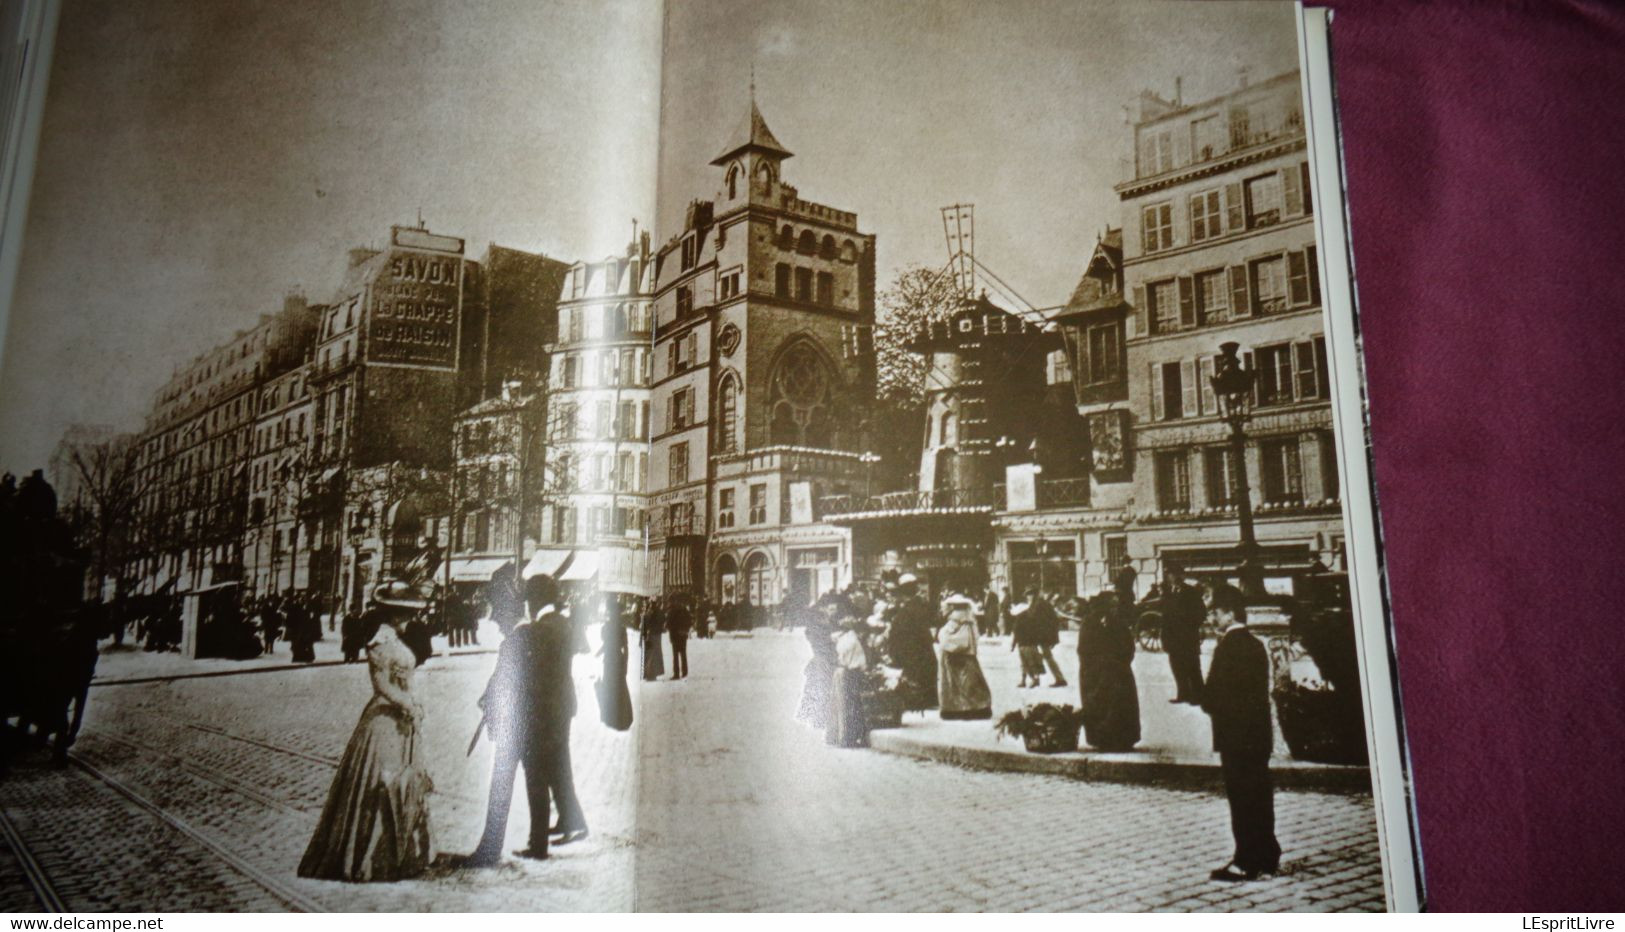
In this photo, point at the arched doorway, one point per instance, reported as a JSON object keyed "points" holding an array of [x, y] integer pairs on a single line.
{"points": [[725, 580]]}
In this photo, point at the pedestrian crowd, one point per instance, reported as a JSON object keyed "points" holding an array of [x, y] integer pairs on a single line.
{"points": [[878, 654]]}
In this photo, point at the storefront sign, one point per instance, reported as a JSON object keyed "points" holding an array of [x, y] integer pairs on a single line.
{"points": [[1021, 485], [801, 510]]}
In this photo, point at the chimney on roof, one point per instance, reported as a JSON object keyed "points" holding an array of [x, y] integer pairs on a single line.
{"points": [[1179, 90], [294, 303], [1242, 74]]}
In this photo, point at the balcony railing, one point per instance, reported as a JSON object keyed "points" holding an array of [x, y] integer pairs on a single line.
{"points": [[1058, 493], [910, 501]]}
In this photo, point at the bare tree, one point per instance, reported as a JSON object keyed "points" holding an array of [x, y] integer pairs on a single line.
{"points": [[917, 296], [110, 487]]}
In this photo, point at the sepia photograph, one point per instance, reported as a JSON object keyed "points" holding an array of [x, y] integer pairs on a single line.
{"points": [[686, 457]]}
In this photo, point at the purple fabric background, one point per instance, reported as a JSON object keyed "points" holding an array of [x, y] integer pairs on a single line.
{"points": [[1485, 147]]}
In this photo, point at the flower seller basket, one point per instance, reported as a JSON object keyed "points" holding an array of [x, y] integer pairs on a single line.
{"points": [[1044, 728], [1320, 723], [882, 706]]}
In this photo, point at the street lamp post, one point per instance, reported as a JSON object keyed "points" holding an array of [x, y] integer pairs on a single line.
{"points": [[1233, 385]]}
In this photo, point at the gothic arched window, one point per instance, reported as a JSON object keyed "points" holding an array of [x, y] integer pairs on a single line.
{"points": [[728, 416], [801, 392], [733, 181]]}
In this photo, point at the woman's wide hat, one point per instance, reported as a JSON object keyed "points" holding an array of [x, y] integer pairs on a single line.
{"points": [[398, 593]]}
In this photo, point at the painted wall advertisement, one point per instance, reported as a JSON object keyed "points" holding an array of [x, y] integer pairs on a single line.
{"points": [[416, 303]]}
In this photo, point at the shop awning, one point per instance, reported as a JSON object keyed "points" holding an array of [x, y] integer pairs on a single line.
{"points": [[584, 568], [680, 559], [476, 569], [547, 562]]}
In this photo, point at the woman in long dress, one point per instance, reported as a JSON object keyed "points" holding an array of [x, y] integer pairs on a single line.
{"points": [[848, 723], [614, 700], [375, 823], [819, 674], [961, 688], [652, 626], [1110, 698]]}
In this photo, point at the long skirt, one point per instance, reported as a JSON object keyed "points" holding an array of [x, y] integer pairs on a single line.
{"points": [[917, 686], [962, 689], [848, 726], [654, 659], [817, 678], [614, 699], [1111, 705], [375, 823]]}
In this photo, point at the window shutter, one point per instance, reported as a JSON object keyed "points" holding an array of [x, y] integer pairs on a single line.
{"points": [[671, 411], [1308, 374], [1291, 187], [1297, 278], [1235, 210], [1314, 274], [1308, 197], [1188, 387], [1187, 302], [693, 347], [1204, 371], [1248, 362], [688, 406], [1322, 367], [1156, 391], [1148, 236], [671, 357], [1239, 305], [1140, 319]]}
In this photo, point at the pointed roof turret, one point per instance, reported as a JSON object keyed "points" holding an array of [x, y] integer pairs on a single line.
{"points": [[752, 133]]}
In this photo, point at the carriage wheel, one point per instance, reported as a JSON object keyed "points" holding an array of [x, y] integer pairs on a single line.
{"points": [[1148, 633]]}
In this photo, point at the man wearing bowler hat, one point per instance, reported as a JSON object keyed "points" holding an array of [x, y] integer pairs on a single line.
{"points": [[528, 704], [1237, 698]]}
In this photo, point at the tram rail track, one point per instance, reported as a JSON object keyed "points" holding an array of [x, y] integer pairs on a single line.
{"points": [[294, 899], [34, 874]]}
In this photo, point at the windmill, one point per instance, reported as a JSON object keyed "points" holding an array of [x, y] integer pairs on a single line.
{"points": [[971, 278]]}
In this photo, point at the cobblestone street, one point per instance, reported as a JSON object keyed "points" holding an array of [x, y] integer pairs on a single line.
{"points": [[201, 794]]}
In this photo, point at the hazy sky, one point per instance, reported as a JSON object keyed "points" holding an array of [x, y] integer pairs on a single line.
{"points": [[199, 160]]}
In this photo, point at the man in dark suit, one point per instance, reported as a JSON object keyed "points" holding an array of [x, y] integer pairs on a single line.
{"points": [[1048, 626], [1237, 698], [528, 717], [679, 623], [1182, 614]]}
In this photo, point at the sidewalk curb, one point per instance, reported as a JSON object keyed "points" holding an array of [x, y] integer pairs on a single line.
{"points": [[1130, 767], [276, 668]]}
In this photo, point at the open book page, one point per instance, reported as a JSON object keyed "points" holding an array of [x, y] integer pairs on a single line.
{"points": [[280, 343], [993, 424]]}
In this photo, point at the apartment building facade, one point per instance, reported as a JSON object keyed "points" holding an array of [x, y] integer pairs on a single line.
{"points": [[598, 421], [1219, 246]]}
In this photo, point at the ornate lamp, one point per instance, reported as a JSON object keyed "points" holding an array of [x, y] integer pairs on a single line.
{"points": [[1233, 387]]}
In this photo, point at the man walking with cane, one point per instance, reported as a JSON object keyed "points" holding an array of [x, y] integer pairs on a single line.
{"points": [[528, 705]]}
